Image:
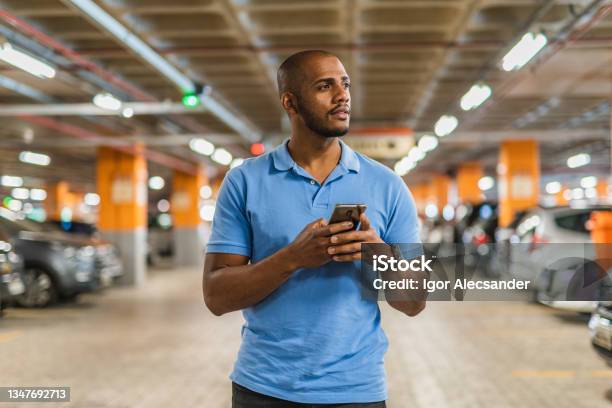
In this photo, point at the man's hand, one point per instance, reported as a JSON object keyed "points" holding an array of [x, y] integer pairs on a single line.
{"points": [[309, 248], [346, 246]]}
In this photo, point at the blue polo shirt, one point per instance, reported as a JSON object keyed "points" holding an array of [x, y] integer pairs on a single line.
{"points": [[315, 339]]}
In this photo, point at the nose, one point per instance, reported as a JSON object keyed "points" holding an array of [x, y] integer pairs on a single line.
{"points": [[342, 95]]}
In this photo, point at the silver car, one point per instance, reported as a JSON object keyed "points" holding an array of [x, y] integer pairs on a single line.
{"points": [[551, 247]]}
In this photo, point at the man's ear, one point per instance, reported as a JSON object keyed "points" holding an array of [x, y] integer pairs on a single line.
{"points": [[289, 103]]}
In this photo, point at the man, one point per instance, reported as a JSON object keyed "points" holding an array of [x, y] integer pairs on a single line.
{"points": [[310, 337]]}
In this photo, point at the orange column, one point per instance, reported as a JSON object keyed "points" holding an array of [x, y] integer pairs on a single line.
{"points": [[121, 185], [602, 190], [468, 175], [185, 207], [58, 198], [438, 191], [519, 177], [560, 197]]}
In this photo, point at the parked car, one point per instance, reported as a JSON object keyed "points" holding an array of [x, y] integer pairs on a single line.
{"points": [[554, 268], [479, 237], [11, 273], [108, 262], [600, 327], [505, 237], [56, 265]]}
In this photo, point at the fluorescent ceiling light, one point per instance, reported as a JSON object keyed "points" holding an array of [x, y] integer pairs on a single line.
{"points": [[205, 192], [38, 159], [588, 182], [428, 143], [527, 48], [476, 96], [127, 112], [15, 205], [403, 166], [222, 156], [20, 193], [415, 154], [236, 162], [553, 187], [578, 160], [486, 183], [25, 62], [11, 181], [163, 205], [92, 199], [202, 146], [207, 212], [156, 183], [446, 125], [38, 194], [107, 101]]}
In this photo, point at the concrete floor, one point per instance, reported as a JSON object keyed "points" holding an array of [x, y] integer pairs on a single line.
{"points": [[157, 346]]}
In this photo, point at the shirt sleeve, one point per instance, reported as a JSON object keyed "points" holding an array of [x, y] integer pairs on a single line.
{"points": [[403, 225], [231, 230]]}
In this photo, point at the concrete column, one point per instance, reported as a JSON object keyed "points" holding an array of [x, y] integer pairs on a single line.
{"points": [[419, 194], [187, 223], [560, 197], [438, 191], [58, 198], [518, 172], [468, 175], [603, 193], [122, 186]]}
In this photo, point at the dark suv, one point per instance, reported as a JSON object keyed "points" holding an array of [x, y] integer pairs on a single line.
{"points": [[11, 273], [56, 265]]}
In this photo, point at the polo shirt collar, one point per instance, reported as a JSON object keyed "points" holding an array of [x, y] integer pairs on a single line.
{"points": [[283, 161]]}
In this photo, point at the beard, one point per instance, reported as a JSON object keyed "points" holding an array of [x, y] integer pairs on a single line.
{"points": [[317, 125]]}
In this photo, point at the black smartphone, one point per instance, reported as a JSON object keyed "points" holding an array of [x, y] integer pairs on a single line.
{"points": [[347, 212]]}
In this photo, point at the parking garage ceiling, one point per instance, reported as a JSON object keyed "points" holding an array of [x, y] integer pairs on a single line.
{"points": [[410, 62]]}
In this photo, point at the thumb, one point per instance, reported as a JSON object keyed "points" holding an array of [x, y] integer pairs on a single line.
{"points": [[365, 223], [321, 222]]}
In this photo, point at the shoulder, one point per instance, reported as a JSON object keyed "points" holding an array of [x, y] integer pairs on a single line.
{"points": [[251, 168], [379, 173]]}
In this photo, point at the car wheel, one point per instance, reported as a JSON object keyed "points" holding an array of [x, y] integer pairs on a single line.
{"points": [[40, 290]]}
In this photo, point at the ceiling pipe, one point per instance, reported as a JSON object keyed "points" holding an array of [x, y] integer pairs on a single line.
{"points": [[79, 109], [112, 142], [77, 59], [483, 45], [122, 34]]}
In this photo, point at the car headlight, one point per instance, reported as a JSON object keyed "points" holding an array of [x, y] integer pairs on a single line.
{"points": [[69, 252], [86, 252]]}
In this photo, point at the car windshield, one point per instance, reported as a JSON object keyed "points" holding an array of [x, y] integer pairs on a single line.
{"points": [[14, 223], [576, 220]]}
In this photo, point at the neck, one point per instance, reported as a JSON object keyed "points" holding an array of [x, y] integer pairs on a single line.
{"points": [[316, 154]]}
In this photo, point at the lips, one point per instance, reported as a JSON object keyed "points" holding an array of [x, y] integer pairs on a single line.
{"points": [[341, 113]]}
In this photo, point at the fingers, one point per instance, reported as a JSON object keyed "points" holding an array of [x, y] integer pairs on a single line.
{"points": [[350, 236], [333, 229], [356, 256], [344, 249], [365, 222]]}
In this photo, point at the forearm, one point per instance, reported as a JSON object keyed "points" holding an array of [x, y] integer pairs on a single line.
{"points": [[408, 301], [234, 288]]}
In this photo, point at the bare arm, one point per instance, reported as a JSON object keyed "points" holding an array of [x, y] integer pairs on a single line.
{"points": [[230, 283]]}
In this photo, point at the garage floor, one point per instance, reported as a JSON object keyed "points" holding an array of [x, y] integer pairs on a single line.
{"points": [[157, 346]]}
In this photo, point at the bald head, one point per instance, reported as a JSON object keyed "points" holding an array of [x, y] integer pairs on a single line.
{"points": [[291, 73]]}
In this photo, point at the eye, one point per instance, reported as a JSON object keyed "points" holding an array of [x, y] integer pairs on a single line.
{"points": [[324, 86], [347, 85]]}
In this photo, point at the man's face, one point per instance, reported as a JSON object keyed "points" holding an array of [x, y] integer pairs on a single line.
{"points": [[324, 102]]}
